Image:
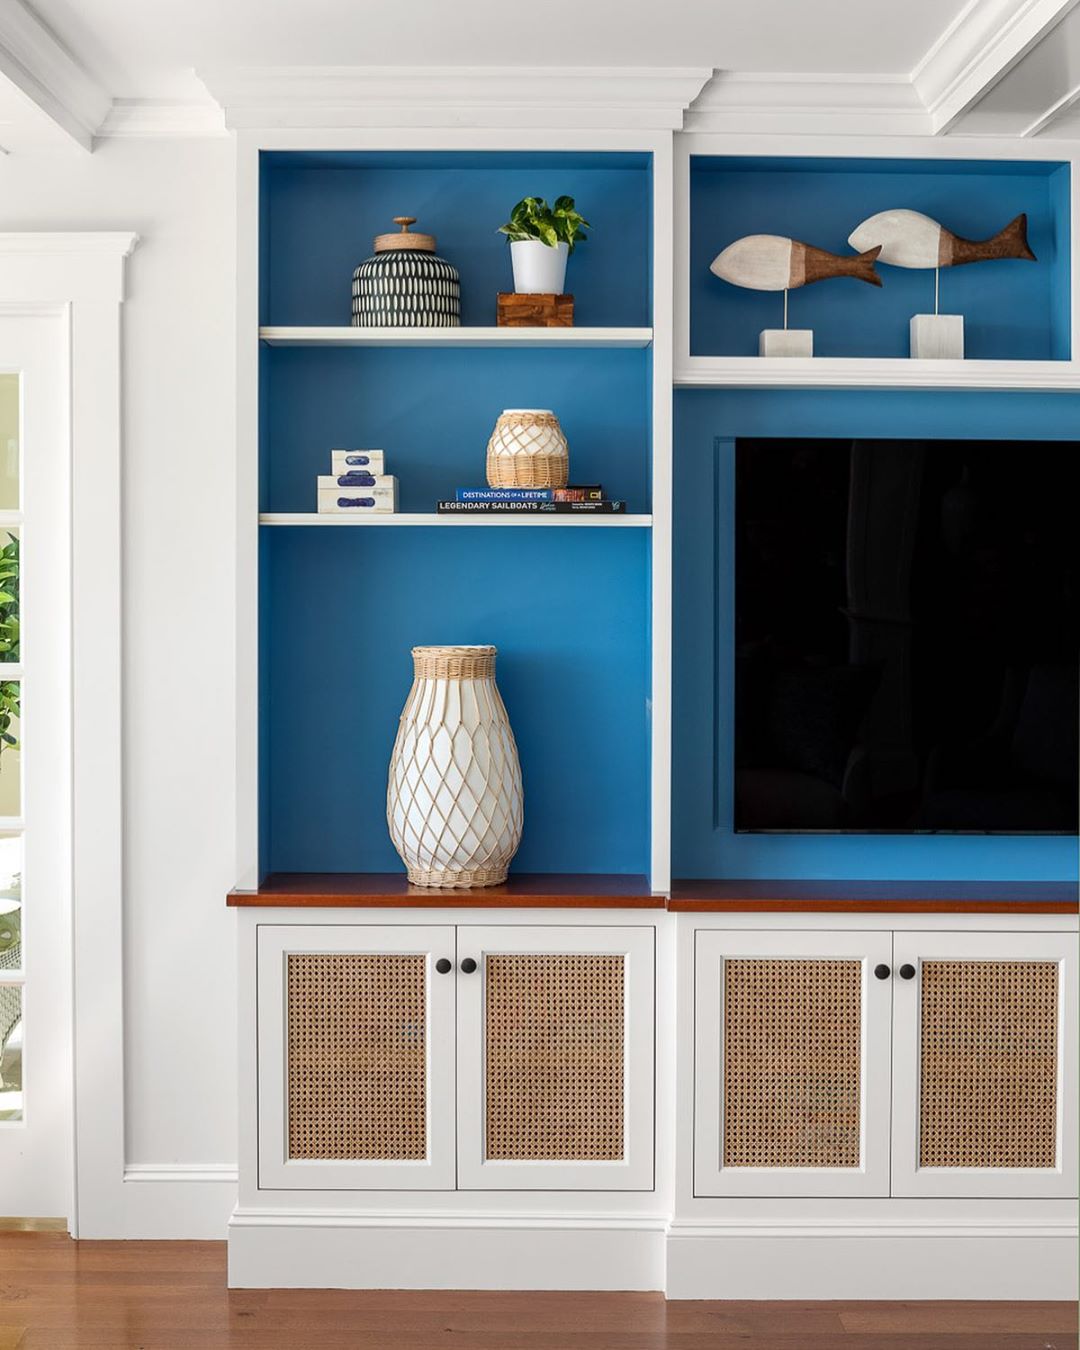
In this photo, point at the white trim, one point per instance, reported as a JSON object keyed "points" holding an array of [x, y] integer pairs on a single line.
{"points": [[982, 44], [557, 97], [878, 1228], [41, 68], [843, 372], [182, 1172], [524, 519], [108, 243], [249, 1217], [808, 105], [160, 120]]}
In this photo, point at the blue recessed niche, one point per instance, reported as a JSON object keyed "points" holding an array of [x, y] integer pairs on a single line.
{"points": [[1013, 309]]}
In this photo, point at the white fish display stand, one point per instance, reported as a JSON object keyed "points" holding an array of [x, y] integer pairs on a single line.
{"points": [[454, 800], [910, 239], [771, 262]]}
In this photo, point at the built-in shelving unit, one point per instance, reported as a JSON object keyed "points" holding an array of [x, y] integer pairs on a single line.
{"points": [[522, 890], [837, 372], [474, 336], [568, 599]]}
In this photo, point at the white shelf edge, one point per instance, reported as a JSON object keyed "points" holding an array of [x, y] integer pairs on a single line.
{"points": [[275, 336], [829, 372], [460, 521]]}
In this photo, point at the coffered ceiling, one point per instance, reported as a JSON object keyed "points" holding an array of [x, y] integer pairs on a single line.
{"points": [[75, 70]]}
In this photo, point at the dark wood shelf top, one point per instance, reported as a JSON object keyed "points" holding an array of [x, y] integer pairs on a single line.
{"points": [[391, 890], [874, 897]]}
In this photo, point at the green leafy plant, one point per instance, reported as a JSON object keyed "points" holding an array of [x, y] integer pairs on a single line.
{"points": [[532, 218], [9, 637]]}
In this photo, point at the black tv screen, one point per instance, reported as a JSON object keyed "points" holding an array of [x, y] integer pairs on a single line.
{"points": [[906, 636]]}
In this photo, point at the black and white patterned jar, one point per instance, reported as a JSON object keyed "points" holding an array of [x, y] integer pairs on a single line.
{"points": [[405, 285]]}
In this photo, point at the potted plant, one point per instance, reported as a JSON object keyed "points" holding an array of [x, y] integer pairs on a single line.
{"points": [[541, 238]]}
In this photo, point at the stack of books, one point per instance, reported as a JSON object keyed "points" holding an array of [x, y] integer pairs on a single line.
{"points": [[581, 499], [358, 483]]}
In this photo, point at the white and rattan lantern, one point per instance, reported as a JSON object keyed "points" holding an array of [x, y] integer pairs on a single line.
{"points": [[527, 449], [454, 800]]}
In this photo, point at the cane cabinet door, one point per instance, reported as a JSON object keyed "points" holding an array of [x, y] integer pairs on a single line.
{"points": [[985, 1093], [792, 1063], [356, 1057], [555, 1058]]}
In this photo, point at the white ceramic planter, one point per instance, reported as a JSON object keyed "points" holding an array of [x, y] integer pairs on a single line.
{"points": [[454, 800], [539, 269]]}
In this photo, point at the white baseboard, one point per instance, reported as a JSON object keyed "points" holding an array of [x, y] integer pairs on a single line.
{"points": [[373, 1249], [896, 1260], [178, 1172], [170, 1200]]}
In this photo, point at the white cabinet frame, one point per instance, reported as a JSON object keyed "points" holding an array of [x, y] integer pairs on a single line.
{"points": [[712, 948], [635, 1171], [276, 1170], [908, 1178]]}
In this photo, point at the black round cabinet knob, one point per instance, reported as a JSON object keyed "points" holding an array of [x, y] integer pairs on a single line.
{"points": [[468, 965], [882, 971], [907, 972], [443, 966]]}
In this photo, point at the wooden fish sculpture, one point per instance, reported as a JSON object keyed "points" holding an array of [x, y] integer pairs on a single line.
{"points": [[910, 239], [770, 262]]}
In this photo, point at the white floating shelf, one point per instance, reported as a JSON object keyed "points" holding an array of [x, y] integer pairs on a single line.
{"points": [[831, 372], [525, 520], [456, 337]]}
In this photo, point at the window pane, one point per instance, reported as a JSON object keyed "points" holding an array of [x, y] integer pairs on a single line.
{"points": [[9, 442], [11, 952], [10, 1052], [10, 767], [9, 594]]}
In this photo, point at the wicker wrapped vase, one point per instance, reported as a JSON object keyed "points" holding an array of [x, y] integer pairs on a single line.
{"points": [[527, 449], [454, 799]]}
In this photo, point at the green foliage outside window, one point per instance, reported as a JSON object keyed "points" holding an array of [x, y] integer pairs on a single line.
{"points": [[9, 637]]}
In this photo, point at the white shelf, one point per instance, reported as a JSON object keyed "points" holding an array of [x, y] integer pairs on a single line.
{"points": [[525, 520], [831, 372], [456, 337]]}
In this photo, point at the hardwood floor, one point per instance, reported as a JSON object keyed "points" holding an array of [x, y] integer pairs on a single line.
{"points": [[56, 1294]]}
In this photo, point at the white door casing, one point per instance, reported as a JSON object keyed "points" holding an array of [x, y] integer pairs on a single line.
{"points": [[909, 1178], [390, 1074], [589, 1041], [869, 1061]]}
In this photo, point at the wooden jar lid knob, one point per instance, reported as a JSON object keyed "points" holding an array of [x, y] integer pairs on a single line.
{"points": [[425, 243]]}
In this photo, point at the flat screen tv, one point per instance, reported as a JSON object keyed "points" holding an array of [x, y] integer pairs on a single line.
{"points": [[906, 636]]}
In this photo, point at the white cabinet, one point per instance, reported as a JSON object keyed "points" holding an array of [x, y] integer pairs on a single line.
{"points": [[791, 1063], [932, 1064], [985, 1052], [472, 1057]]}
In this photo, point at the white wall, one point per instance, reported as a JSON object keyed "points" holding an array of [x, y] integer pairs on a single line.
{"points": [[179, 549]]}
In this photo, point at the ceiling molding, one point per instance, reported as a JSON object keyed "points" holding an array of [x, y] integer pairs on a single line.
{"points": [[811, 105], [45, 72], [980, 46], [446, 96], [149, 118], [110, 243]]}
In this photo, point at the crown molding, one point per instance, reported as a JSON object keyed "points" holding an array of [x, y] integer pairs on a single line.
{"points": [[982, 44], [152, 119], [440, 96], [811, 105], [98, 243], [46, 73]]}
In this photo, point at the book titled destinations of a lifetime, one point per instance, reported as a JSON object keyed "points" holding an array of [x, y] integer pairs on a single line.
{"points": [[529, 508], [582, 492]]}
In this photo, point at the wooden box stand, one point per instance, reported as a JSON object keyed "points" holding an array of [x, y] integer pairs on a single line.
{"points": [[535, 311]]}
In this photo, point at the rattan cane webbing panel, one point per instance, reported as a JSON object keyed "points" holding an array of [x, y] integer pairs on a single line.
{"points": [[357, 1056], [988, 1081], [554, 1028], [792, 1063]]}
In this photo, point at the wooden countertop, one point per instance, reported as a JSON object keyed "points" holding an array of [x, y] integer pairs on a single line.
{"points": [[584, 890]]}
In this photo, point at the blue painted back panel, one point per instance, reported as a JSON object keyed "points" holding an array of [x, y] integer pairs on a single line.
{"points": [[706, 425], [322, 222], [568, 610], [432, 412], [1012, 309]]}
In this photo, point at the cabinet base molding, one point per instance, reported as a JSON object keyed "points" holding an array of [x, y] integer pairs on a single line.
{"points": [[896, 1260], [384, 1249]]}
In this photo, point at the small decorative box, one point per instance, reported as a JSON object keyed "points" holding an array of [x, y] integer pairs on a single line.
{"points": [[381, 497], [341, 461], [354, 478]]}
